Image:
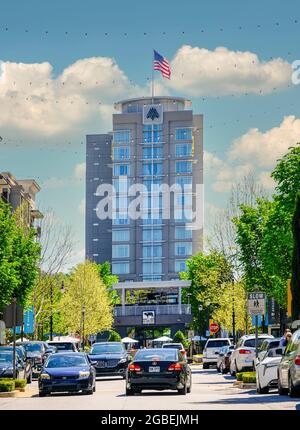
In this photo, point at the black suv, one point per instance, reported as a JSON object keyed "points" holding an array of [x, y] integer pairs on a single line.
{"points": [[111, 358]]}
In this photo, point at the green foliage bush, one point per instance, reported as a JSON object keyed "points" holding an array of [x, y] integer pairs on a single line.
{"points": [[249, 377], [20, 383], [114, 337], [239, 376], [6, 385], [180, 338]]}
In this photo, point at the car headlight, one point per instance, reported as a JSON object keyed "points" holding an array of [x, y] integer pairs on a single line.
{"points": [[84, 374], [123, 360], [45, 376]]}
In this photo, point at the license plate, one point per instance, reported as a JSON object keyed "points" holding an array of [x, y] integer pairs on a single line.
{"points": [[101, 364], [154, 369]]}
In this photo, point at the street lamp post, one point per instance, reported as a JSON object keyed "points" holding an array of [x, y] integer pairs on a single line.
{"points": [[62, 290], [83, 316], [233, 317]]}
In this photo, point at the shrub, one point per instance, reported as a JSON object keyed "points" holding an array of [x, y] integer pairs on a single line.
{"points": [[7, 385], [114, 337], [249, 377], [239, 376], [20, 383]]}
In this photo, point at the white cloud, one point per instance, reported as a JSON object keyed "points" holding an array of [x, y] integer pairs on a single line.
{"points": [[199, 71], [266, 181], [79, 171], [36, 101], [265, 148], [81, 207]]}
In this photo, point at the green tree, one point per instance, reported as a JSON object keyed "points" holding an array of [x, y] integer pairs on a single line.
{"points": [[180, 338], [208, 275], [19, 256], [114, 336], [86, 301], [295, 284]]}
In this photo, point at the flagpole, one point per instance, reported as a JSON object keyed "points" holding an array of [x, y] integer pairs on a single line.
{"points": [[152, 91]]}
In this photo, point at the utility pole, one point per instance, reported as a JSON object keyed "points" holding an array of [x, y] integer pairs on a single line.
{"points": [[14, 335], [51, 311], [233, 316]]}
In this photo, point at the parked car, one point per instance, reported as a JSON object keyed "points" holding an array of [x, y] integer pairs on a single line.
{"points": [[22, 358], [211, 350], [266, 346], [62, 346], [178, 346], [67, 372], [289, 368], [243, 357], [111, 358], [158, 369], [223, 358], [6, 366], [267, 369], [35, 351]]}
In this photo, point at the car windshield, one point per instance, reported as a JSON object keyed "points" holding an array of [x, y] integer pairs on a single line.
{"points": [[217, 343], [156, 355], [63, 346], [251, 342], [33, 347], [66, 361], [107, 349], [19, 352], [6, 357]]}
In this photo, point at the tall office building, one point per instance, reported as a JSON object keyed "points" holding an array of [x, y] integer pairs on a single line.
{"points": [[153, 142]]}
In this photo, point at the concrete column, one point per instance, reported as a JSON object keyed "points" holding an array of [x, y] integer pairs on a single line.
{"points": [[123, 301], [179, 301]]}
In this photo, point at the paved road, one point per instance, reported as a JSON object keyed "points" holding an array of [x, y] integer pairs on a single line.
{"points": [[210, 391]]}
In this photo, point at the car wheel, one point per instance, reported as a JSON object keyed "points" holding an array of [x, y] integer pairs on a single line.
{"points": [[182, 391], [281, 391], [218, 369], [88, 392], [129, 392], [205, 366], [189, 388], [263, 390], [232, 372], [94, 388], [43, 393], [293, 391], [29, 379], [224, 370]]}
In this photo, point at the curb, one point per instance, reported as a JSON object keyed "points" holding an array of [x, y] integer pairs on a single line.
{"points": [[8, 393]]}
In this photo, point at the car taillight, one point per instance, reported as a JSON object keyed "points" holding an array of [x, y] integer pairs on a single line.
{"points": [[183, 351], [175, 366], [134, 368], [244, 351], [297, 360]]}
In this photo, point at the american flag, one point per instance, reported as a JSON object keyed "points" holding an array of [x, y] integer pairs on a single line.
{"points": [[162, 64]]}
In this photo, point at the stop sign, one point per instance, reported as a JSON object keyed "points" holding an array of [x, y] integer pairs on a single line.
{"points": [[214, 328]]}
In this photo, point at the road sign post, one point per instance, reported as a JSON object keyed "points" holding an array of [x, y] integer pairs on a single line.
{"points": [[256, 306]]}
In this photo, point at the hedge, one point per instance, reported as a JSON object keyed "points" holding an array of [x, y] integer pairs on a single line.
{"points": [[19, 383], [7, 386], [246, 377]]}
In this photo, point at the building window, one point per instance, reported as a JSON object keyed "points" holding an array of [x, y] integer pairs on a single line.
{"points": [[185, 182], [156, 136], [121, 153], [152, 185], [183, 248], [122, 136], [152, 251], [152, 268], [120, 218], [180, 266], [183, 215], [121, 185], [152, 234], [183, 167], [121, 169], [184, 199], [120, 235], [120, 251], [152, 168], [183, 233], [120, 268], [183, 134], [184, 150], [152, 152], [152, 278], [120, 202]]}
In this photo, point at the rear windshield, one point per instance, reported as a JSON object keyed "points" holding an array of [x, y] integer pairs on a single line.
{"points": [[63, 346], [217, 343], [156, 355], [33, 347], [172, 346], [251, 342]]}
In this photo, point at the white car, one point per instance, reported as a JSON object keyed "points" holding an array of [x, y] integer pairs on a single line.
{"points": [[243, 357], [267, 369], [212, 349]]}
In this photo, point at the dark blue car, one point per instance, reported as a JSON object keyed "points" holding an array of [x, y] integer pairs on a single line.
{"points": [[67, 372]]}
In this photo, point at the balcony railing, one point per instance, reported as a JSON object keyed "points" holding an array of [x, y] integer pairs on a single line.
{"points": [[136, 310]]}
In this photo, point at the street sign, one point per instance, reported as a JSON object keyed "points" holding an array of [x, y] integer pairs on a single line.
{"points": [[256, 303], [214, 328], [8, 315]]}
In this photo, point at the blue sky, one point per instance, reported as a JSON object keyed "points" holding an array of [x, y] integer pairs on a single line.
{"points": [[34, 32]]}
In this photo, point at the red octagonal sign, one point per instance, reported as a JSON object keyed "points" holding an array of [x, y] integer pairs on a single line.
{"points": [[214, 328]]}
